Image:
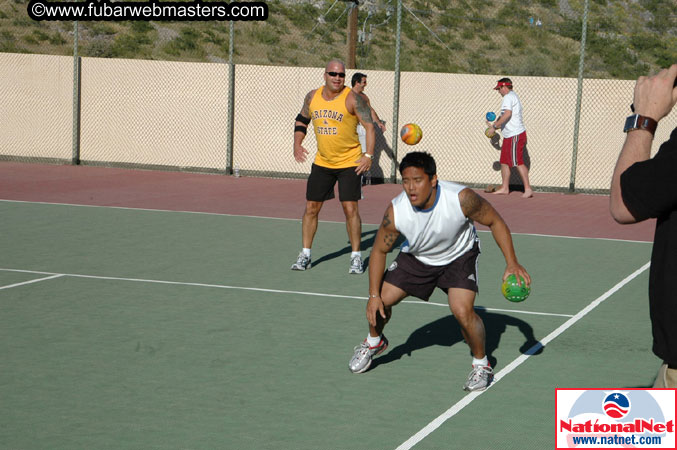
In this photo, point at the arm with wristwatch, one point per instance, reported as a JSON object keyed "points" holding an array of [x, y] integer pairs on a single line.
{"points": [[654, 98]]}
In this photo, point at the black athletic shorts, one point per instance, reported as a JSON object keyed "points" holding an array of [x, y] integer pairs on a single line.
{"points": [[320, 186], [420, 280]]}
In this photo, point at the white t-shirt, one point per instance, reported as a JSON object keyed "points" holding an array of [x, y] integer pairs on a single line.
{"points": [[362, 136], [515, 125], [438, 235]]}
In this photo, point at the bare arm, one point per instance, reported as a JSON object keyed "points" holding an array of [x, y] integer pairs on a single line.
{"points": [[386, 236], [502, 119], [374, 117], [377, 120], [654, 97], [479, 210], [637, 147], [300, 152]]}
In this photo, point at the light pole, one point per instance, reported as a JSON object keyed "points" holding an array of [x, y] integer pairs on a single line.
{"points": [[352, 35]]}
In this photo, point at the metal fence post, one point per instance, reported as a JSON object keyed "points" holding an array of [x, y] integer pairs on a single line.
{"points": [[231, 102], [396, 96], [75, 158], [579, 94]]}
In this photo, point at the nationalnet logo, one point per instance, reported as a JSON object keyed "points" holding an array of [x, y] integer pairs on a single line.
{"points": [[616, 419]]}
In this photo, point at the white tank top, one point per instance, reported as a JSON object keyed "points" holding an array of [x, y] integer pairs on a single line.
{"points": [[438, 235]]}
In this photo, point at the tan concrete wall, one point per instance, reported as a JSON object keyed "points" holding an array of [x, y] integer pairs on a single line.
{"points": [[176, 113]]}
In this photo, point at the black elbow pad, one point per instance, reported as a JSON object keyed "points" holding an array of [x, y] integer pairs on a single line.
{"points": [[302, 119]]}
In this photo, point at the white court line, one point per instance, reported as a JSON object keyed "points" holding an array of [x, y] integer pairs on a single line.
{"points": [[57, 275], [244, 288], [297, 220], [178, 283], [465, 401], [129, 208]]}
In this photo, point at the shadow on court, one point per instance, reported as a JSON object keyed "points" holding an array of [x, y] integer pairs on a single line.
{"points": [[366, 244], [446, 332]]}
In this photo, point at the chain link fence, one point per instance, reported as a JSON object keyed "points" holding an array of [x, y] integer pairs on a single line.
{"points": [[36, 109], [155, 114], [221, 96]]}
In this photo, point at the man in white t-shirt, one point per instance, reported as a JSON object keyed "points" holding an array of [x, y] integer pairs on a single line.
{"points": [[358, 83], [514, 138], [442, 248]]}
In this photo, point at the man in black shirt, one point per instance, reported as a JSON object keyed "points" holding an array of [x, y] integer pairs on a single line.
{"points": [[643, 188]]}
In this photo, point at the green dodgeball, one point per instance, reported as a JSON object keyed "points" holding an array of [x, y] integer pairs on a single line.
{"points": [[514, 291]]}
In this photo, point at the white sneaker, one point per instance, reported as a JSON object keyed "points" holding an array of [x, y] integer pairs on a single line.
{"points": [[356, 265], [361, 360], [479, 379], [302, 262]]}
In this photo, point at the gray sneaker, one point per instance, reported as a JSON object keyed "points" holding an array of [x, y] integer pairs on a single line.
{"points": [[361, 360], [356, 265], [302, 262], [479, 379]]}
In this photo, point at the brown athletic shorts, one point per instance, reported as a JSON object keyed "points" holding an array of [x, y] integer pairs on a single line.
{"points": [[420, 280]]}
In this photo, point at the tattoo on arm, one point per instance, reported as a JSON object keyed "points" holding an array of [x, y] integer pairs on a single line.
{"points": [[305, 111], [389, 239], [363, 109], [386, 220]]}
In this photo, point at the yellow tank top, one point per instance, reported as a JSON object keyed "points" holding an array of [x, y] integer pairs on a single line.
{"points": [[335, 130]]}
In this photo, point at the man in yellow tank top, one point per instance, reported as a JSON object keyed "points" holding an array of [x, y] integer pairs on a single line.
{"points": [[335, 111]]}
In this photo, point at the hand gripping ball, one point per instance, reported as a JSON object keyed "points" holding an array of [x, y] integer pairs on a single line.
{"points": [[489, 132], [411, 134], [513, 291], [491, 116]]}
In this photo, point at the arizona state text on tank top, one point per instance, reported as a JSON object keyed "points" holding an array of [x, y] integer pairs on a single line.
{"points": [[335, 130], [438, 235]]}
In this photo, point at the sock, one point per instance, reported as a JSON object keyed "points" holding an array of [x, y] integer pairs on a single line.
{"points": [[306, 251], [373, 341], [354, 254], [480, 362]]}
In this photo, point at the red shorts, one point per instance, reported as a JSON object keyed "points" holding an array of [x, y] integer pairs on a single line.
{"points": [[512, 150]]}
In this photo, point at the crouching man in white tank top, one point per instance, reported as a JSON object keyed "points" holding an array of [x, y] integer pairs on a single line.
{"points": [[441, 250]]}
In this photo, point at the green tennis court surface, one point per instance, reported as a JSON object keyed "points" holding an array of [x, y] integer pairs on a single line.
{"points": [[134, 329]]}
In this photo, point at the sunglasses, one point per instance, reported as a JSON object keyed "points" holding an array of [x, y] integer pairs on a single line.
{"points": [[337, 74]]}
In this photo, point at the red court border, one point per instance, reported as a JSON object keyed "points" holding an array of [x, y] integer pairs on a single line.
{"points": [[575, 215]]}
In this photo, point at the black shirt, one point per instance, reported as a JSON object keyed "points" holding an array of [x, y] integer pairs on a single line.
{"points": [[649, 189]]}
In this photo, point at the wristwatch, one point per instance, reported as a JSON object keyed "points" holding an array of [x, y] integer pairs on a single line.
{"points": [[368, 155], [637, 122]]}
